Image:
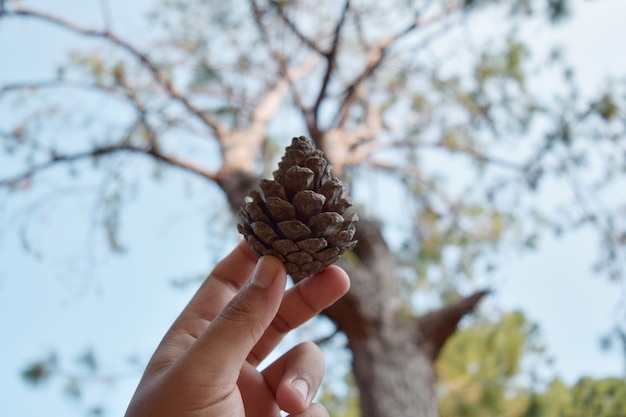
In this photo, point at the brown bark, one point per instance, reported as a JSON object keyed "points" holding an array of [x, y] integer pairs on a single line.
{"points": [[393, 373]]}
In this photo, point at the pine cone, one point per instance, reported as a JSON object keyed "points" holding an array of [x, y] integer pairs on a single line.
{"points": [[301, 216]]}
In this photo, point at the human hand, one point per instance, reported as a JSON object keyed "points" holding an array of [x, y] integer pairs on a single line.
{"points": [[206, 364]]}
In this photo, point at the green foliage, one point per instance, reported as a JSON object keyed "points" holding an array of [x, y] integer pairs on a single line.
{"points": [[446, 249], [607, 107], [588, 397], [506, 65], [606, 397], [77, 376], [477, 367], [480, 374], [41, 370], [558, 10]]}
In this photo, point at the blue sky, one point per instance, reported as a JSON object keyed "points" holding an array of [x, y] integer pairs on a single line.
{"points": [[79, 296]]}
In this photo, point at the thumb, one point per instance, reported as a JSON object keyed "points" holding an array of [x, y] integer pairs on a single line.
{"points": [[224, 346]]}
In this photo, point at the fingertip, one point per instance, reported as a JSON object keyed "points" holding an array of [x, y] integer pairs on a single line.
{"points": [[325, 288], [340, 276], [267, 270]]}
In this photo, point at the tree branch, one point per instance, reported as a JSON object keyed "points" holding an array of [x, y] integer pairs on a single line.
{"points": [[240, 148], [308, 42], [160, 76], [105, 151], [378, 52], [59, 83], [330, 65], [436, 327], [140, 108]]}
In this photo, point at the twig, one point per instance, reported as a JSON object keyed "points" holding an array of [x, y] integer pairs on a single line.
{"points": [[141, 110], [321, 341], [287, 74], [105, 151], [330, 63], [377, 54], [308, 42]]}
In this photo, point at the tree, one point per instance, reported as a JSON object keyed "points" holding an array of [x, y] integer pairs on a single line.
{"points": [[366, 82]]}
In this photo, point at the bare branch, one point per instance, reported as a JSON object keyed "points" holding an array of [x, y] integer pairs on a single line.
{"points": [[330, 63], [286, 73], [105, 151], [438, 326], [321, 341], [464, 150], [377, 54], [160, 76], [308, 42], [52, 83], [241, 147], [139, 107]]}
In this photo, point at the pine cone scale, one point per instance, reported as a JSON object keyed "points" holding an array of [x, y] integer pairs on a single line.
{"points": [[294, 230], [308, 203], [312, 245], [285, 246], [279, 209]]}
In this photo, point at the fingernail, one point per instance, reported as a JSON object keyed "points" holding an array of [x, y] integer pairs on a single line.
{"points": [[302, 387], [264, 273]]}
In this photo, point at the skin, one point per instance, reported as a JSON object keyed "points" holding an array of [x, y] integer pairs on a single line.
{"points": [[206, 364]]}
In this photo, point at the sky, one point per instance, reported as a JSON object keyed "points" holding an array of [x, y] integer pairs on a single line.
{"points": [[77, 296]]}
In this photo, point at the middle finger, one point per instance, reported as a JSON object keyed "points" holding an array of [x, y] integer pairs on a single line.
{"points": [[301, 302]]}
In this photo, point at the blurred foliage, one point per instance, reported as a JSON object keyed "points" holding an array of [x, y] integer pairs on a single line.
{"points": [[341, 405], [84, 369], [479, 367], [79, 376], [588, 397], [489, 367]]}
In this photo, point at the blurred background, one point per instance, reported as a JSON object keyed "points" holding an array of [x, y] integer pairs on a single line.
{"points": [[483, 141]]}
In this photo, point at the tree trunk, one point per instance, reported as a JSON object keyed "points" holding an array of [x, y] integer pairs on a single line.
{"points": [[393, 351], [394, 375]]}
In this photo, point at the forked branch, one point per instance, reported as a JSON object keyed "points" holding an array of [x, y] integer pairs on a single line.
{"points": [[435, 328]]}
